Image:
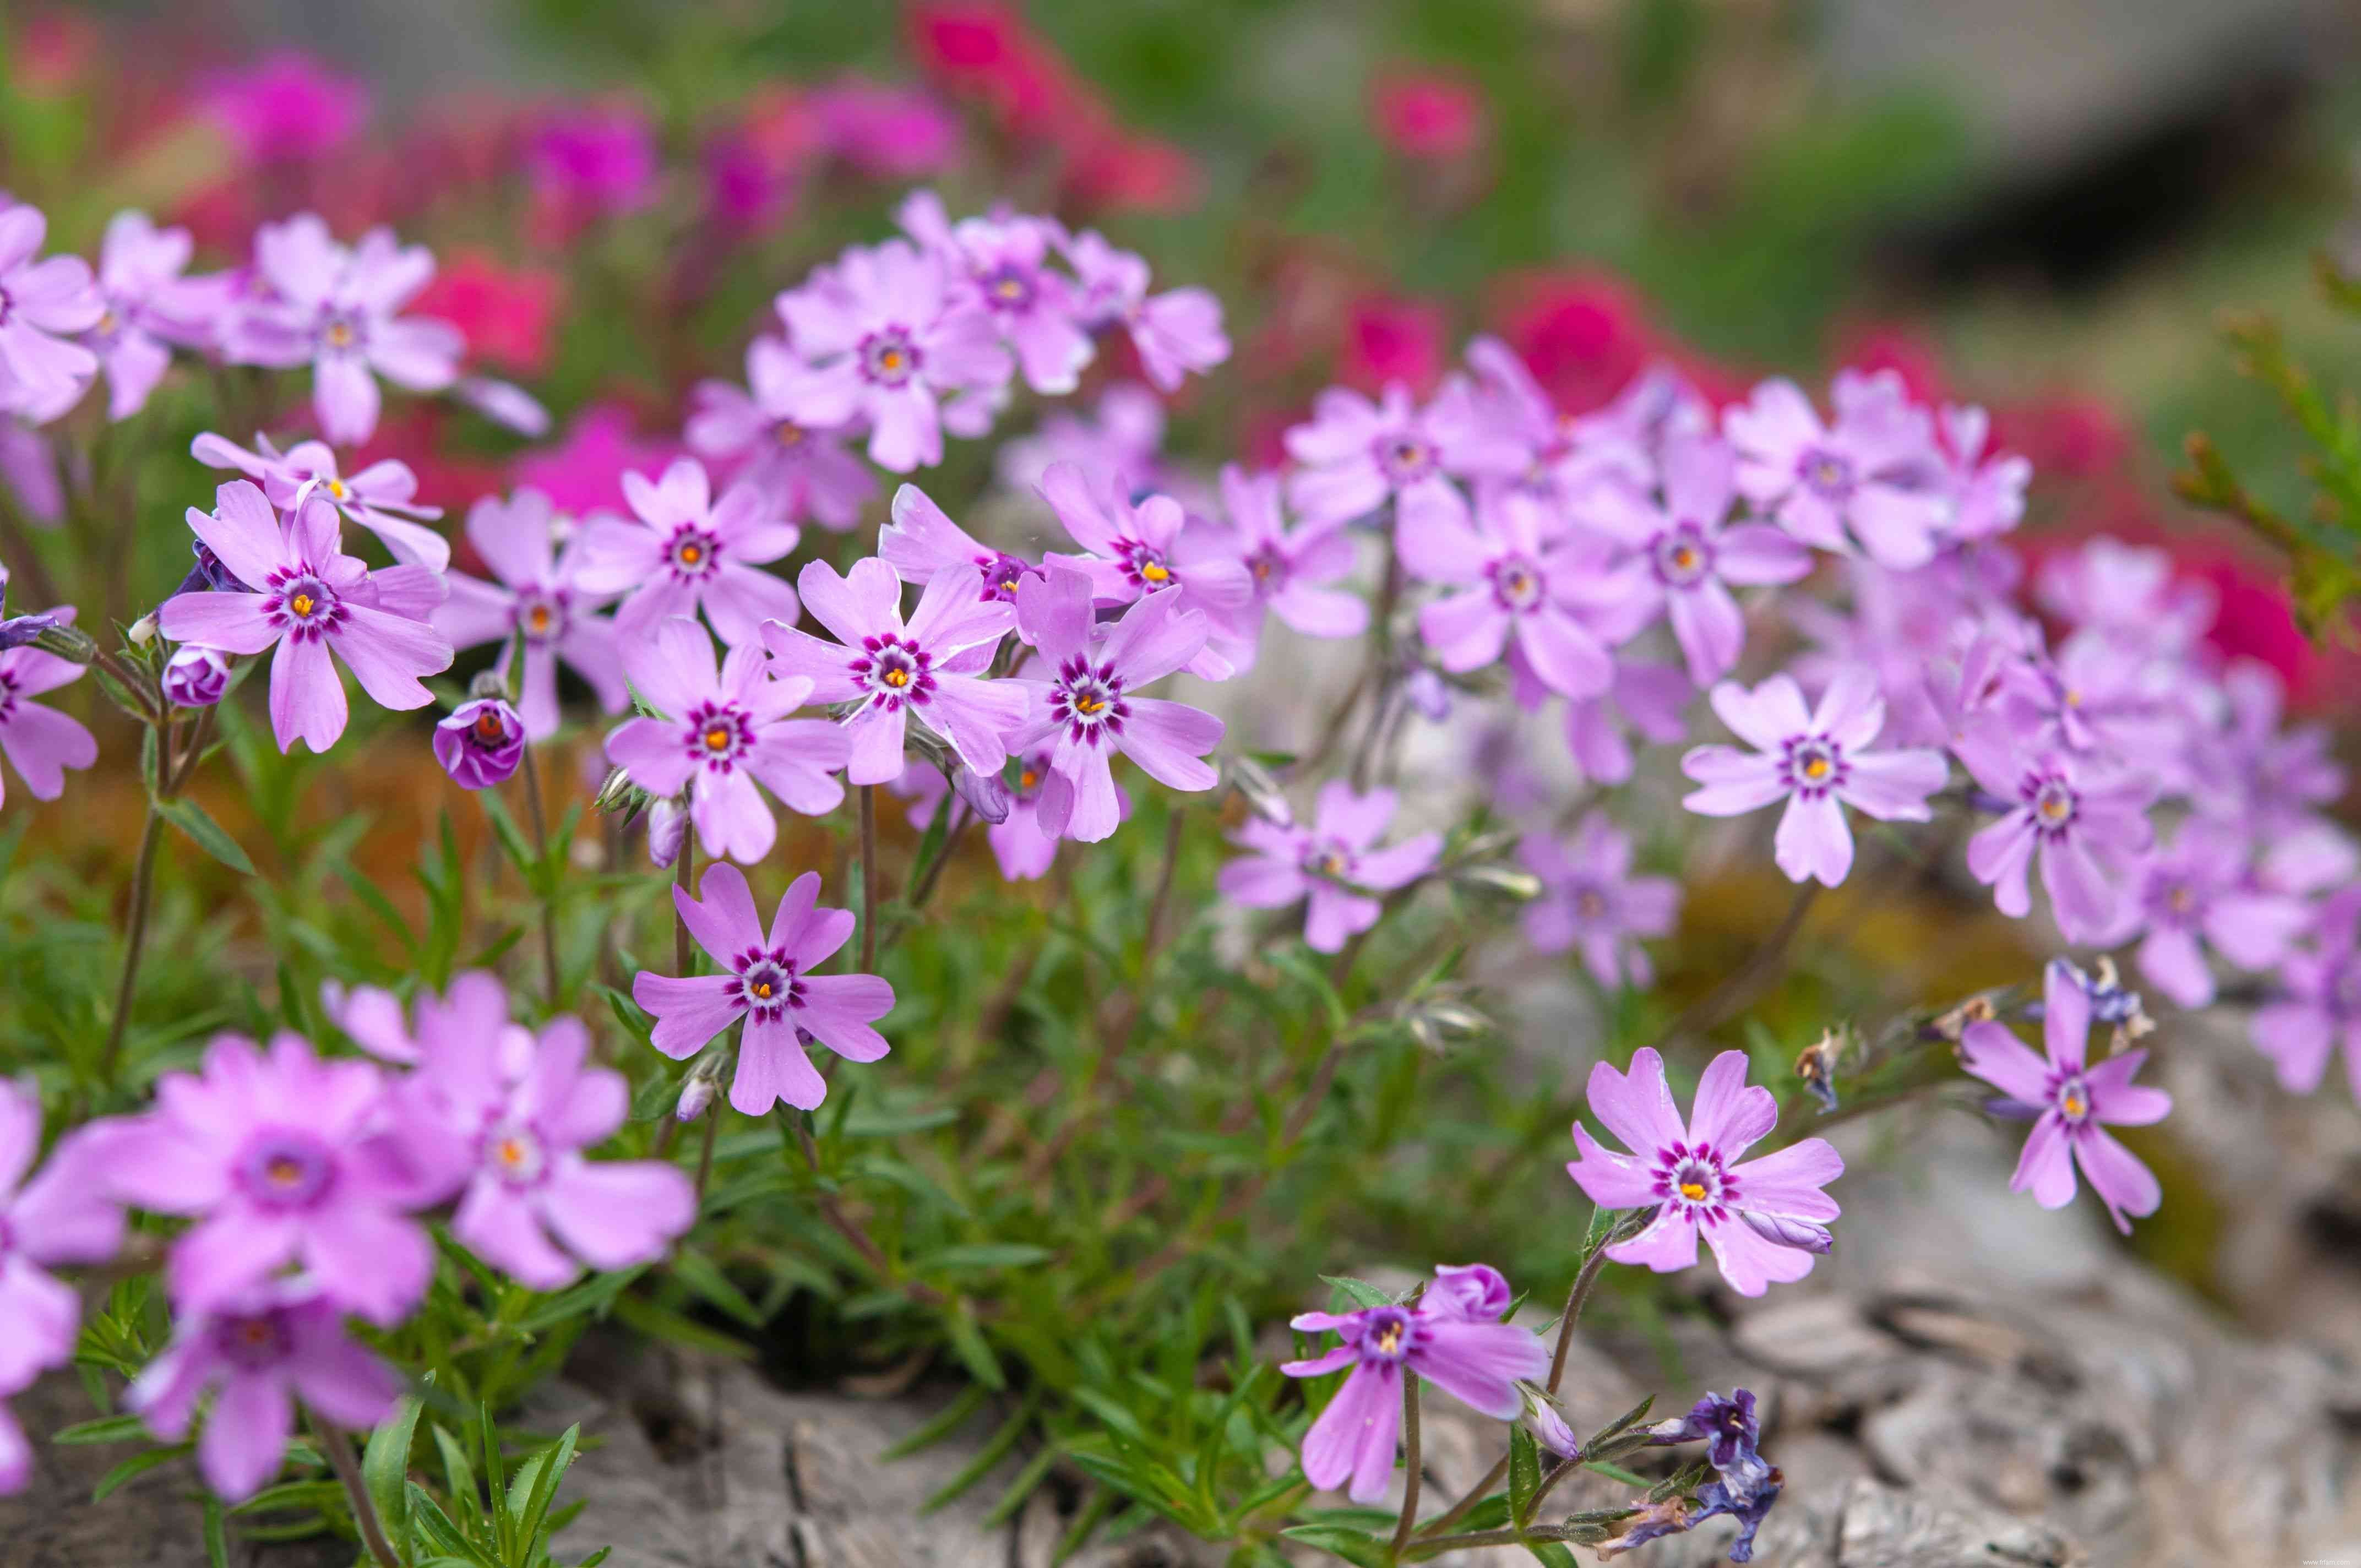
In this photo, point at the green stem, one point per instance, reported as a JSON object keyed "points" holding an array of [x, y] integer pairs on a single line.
{"points": [[684, 951], [337, 1449], [143, 887], [1411, 1478], [540, 848], [868, 879]]}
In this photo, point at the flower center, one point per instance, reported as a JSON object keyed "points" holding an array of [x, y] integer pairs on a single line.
{"points": [[488, 728], [337, 488], [1268, 570], [787, 433], [1683, 556], [1007, 287], [252, 1343], [718, 734], [692, 552], [1389, 1335], [1146, 566], [895, 670], [1815, 765], [1827, 474], [1693, 1178], [1001, 574], [514, 1155], [540, 617], [767, 986], [2054, 805], [2074, 1101], [341, 332], [1590, 904], [1088, 701], [1405, 458], [1517, 583], [889, 358], [285, 1168]]}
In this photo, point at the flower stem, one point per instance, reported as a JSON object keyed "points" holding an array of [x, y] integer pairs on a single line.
{"points": [[868, 879], [337, 1449], [684, 951], [1582, 1281], [705, 1153], [540, 848], [143, 888], [1410, 1458]]}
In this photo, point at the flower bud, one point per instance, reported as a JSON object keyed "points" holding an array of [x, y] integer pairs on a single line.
{"points": [[195, 677], [668, 831], [618, 793], [1549, 1428], [696, 1097], [488, 683], [985, 794], [1508, 880], [67, 643], [1781, 1230], [143, 630], [481, 743], [1261, 791], [1428, 692]]}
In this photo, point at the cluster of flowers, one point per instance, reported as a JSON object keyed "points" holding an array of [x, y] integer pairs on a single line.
{"points": [[305, 1181]]}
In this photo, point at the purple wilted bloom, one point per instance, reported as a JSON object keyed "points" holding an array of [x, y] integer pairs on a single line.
{"points": [[2249, 770], [40, 743], [1590, 900], [1721, 1497], [2198, 886], [61, 1216], [279, 1159], [1089, 708], [770, 983], [1549, 594], [1820, 761], [1765, 1219], [1651, 1521], [1985, 495], [538, 593], [308, 597], [2071, 1100], [42, 305], [508, 1116], [1475, 1360], [194, 676], [1175, 331], [1123, 442], [1333, 864], [258, 1352], [929, 669], [148, 308], [889, 341], [1289, 570], [1692, 558], [722, 731], [921, 541], [687, 551], [2127, 590], [339, 311], [804, 471], [481, 743], [2321, 1006], [2086, 821], [377, 497], [1147, 548], [1730, 1430], [1817, 480], [1003, 262], [1357, 454]]}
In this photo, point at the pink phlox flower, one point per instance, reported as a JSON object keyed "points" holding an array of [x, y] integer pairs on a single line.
{"points": [[1857, 478], [1984, 494], [29, 466], [2087, 822], [43, 306], [687, 551], [1359, 455], [806, 472], [2129, 592], [40, 743], [2071, 1103], [60, 1214], [1908, 626], [1765, 1219], [1175, 331], [1124, 440], [922, 542], [1152, 546], [2319, 1005], [309, 598], [2199, 890], [769, 983], [724, 729], [379, 497], [2101, 699], [1820, 761], [148, 309], [537, 592], [2246, 768], [1591, 902], [1002, 263], [1289, 568], [1333, 865], [1023, 848]]}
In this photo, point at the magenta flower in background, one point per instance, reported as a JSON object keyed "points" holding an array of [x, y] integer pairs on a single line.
{"points": [[590, 161], [1147, 548], [2320, 1007], [1288, 570], [42, 371], [287, 107], [148, 308], [888, 341], [1357, 456], [1175, 331], [771, 985], [1452, 1338], [40, 743], [929, 669], [885, 129], [1693, 559], [1427, 114], [1333, 865], [538, 593], [1555, 596], [2086, 822], [279, 1160], [805, 472], [1089, 708], [2068, 1102], [688, 551], [258, 1353], [1590, 901], [481, 743], [2198, 888], [1765, 1219], [1819, 761], [307, 598], [61, 1216], [583, 474], [339, 311], [378, 498], [922, 542], [725, 729], [194, 676], [1859, 473]]}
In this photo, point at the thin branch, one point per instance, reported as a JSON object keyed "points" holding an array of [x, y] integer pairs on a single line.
{"points": [[1411, 1478]]}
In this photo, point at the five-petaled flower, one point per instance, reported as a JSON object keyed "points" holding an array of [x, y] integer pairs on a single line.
{"points": [[539, 594], [687, 551], [1333, 864]]}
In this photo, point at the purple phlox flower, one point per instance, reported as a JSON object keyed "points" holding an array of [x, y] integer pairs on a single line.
{"points": [[377, 497], [1719, 1498], [1693, 559], [309, 598], [1175, 331], [281, 1158], [1359, 455], [2320, 1005], [2074, 1099], [1557, 468], [723, 729], [1289, 570], [2198, 888], [688, 551], [258, 1352], [1657, 407], [287, 107], [1151, 547], [29, 466], [1730, 1430], [1333, 864], [2128, 591], [888, 340], [2096, 697], [2087, 822], [922, 542], [1124, 441], [1820, 761], [60, 1215], [594, 159], [1649, 698], [1983, 496], [504, 403], [1765, 1219], [930, 668], [1470, 1357], [1089, 707], [339, 310], [1002, 263], [2245, 767], [40, 743], [538, 592], [481, 743], [1559, 598], [1475, 1292], [509, 1116], [195, 677], [1591, 901], [769, 983], [1819, 480], [2306, 859], [804, 470], [1910, 627], [148, 308], [42, 305], [1024, 849]]}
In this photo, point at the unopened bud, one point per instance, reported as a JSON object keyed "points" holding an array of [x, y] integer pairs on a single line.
{"points": [[985, 795], [1781, 1230], [1261, 791], [143, 630], [1817, 1065], [668, 831], [1520, 886], [67, 643], [696, 1099], [1549, 1428], [487, 684], [618, 793]]}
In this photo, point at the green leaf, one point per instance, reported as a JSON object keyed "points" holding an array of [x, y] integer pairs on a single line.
{"points": [[981, 1254], [1556, 1553], [1524, 1473], [107, 1429], [139, 1465], [385, 1467], [941, 1425], [969, 1344], [994, 1450], [216, 1535], [1355, 1546], [702, 1275], [1359, 1292], [204, 832]]}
